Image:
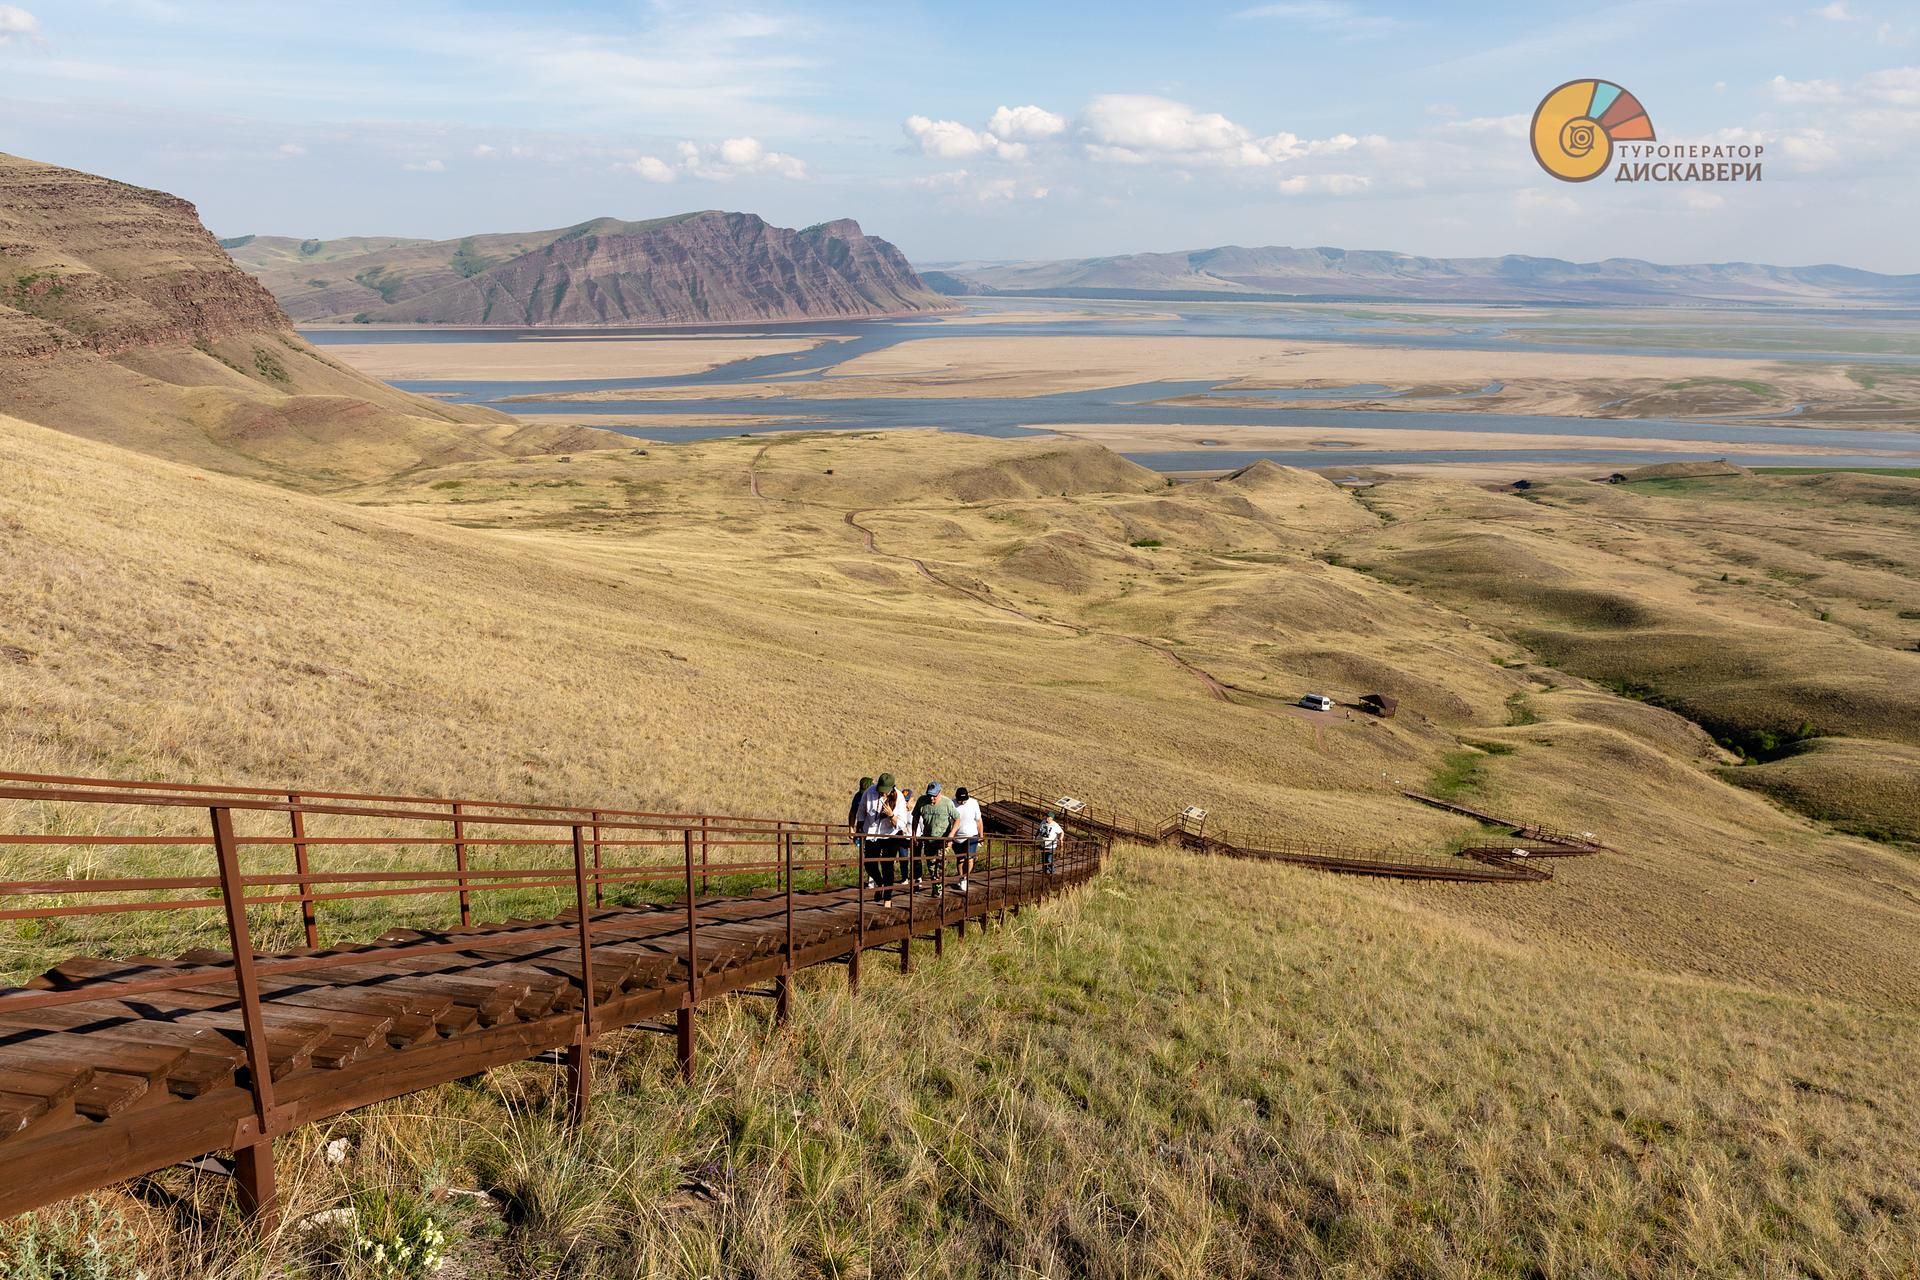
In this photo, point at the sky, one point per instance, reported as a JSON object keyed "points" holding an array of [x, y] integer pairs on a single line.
{"points": [[987, 131]]}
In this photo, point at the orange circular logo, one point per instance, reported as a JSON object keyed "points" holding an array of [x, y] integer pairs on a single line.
{"points": [[1575, 127]]}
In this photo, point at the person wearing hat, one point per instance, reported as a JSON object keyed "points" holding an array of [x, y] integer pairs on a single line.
{"points": [[1048, 836], [967, 825], [893, 825], [932, 830], [874, 833]]}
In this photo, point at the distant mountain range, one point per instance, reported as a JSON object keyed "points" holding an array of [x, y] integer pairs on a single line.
{"points": [[707, 267], [1368, 274]]}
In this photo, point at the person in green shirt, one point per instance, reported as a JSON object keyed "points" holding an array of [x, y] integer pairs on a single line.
{"points": [[933, 831]]}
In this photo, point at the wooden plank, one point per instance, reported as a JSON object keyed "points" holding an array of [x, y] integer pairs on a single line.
{"points": [[471, 999], [556, 965], [543, 990], [148, 1061], [208, 1059], [55, 1084], [18, 1110], [110, 1093]]}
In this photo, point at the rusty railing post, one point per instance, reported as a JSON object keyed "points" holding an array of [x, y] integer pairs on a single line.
{"points": [[599, 898], [684, 1029], [913, 869], [579, 1059], [859, 920], [253, 1143], [298, 822], [783, 985], [704, 837], [460, 866], [779, 844]]}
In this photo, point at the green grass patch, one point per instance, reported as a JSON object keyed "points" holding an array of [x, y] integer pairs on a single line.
{"points": [[1458, 774]]}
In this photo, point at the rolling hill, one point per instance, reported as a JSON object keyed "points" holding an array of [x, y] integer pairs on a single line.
{"points": [[694, 268], [122, 320], [1383, 274]]}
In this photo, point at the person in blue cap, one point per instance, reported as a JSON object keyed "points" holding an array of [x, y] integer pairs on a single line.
{"points": [[933, 831]]}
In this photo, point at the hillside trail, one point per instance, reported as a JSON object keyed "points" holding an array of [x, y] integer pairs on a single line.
{"points": [[1217, 689]]}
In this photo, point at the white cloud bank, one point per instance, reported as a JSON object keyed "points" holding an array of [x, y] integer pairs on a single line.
{"points": [[717, 162], [1133, 129], [17, 24]]}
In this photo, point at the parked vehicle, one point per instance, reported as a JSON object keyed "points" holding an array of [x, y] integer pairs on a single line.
{"points": [[1317, 702]]}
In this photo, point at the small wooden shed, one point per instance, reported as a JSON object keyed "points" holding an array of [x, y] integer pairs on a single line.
{"points": [[1381, 704]]}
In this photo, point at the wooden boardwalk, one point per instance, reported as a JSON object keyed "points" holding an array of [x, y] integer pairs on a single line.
{"points": [[1518, 860], [114, 1067]]}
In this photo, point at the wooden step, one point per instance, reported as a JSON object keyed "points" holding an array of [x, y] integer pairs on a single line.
{"points": [[110, 1093], [150, 1062], [208, 1059]]}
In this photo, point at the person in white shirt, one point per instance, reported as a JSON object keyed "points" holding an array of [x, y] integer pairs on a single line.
{"points": [[1049, 835], [884, 817], [967, 825]]}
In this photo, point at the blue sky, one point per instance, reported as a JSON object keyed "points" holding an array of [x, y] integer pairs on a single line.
{"points": [[987, 130]]}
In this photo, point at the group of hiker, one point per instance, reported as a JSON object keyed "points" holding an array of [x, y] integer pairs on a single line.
{"points": [[906, 838]]}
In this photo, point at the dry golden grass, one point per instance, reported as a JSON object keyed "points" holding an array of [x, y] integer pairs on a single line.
{"points": [[1191, 1069], [269, 406], [645, 631], [1680, 1056]]}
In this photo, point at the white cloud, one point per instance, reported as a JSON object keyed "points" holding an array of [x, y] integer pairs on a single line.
{"points": [[1835, 12], [1799, 92], [1810, 148], [951, 140], [1328, 16], [985, 190], [1702, 201], [17, 23], [425, 166], [1513, 126], [482, 150], [1336, 184], [292, 150], [1026, 124], [716, 162], [1133, 128], [738, 157], [652, 168], [1531, 200], [1894, 86]]}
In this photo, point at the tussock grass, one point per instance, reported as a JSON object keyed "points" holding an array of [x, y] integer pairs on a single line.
{"points": [[1306, 1084]]}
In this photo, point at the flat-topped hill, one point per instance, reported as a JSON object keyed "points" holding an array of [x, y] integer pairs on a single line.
{"points": [[122, 319]]}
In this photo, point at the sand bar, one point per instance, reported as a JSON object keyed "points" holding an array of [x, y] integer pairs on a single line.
{"points": [[646, 357]]}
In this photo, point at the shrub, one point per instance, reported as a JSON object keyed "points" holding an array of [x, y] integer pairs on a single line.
{"points": [[395, 1236], [77, 1241]]}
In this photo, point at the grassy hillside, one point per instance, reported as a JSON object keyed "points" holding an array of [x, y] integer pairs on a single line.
{"points": [[1192, 1069], [1678, 1057]]}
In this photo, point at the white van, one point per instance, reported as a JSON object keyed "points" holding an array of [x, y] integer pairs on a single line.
{"points": [[1317, 702]]}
